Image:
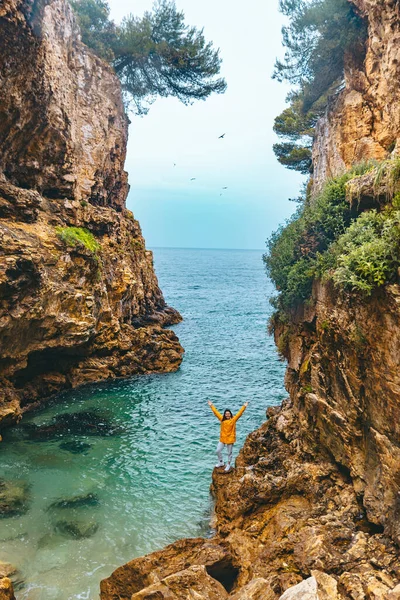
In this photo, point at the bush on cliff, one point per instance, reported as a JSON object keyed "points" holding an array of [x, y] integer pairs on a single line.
{"points": [[367, 256], [294, 251], [156, 55], [78, 236], [327, 239]]}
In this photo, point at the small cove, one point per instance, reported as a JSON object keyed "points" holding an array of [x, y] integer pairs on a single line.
{"points": [[131, 472]]}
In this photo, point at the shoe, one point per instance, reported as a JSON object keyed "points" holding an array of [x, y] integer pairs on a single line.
{"points": [[220, 464], [227, 468]]}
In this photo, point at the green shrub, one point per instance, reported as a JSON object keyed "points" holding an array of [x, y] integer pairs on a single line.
{"points": [[78, 236], [293, 255], [387, 173], [368, 255], [327, 238]]}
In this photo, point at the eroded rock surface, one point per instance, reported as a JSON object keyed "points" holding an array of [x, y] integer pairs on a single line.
{"points": [[68, 315], [363, 121]]}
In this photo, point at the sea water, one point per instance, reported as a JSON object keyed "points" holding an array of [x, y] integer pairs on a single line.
{"points": [[141, 480]]}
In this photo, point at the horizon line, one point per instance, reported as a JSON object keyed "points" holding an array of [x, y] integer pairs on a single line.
{"points": [[207, 248]]}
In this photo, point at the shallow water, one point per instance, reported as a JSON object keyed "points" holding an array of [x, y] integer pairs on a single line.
{"points": [[149, 478]]}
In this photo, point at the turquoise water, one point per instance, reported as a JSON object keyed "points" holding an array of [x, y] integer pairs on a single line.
{"points": [[143, 480]]}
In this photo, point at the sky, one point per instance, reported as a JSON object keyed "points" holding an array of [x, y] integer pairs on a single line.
{"points": [[173, 210]]}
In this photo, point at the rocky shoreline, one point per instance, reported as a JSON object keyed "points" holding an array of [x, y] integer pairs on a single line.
{"points": [[287, 515]]}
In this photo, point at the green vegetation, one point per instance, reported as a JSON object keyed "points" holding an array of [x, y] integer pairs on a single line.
{"points": [[137, 244], [328, 239], [368, 254], [320, 34], [78, 236], [307, 389], [295, 250], [156, 55]]}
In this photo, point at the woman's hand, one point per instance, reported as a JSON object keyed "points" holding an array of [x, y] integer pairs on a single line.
{"points": [[246, 404], [209, 403]]}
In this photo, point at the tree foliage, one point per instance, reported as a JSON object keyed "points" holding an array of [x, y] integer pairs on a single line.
{"points": [[98, 31], [320, 36], [292, 156], [155, 55]]}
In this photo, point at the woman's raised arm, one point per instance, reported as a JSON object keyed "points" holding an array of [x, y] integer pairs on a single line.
{"points": [[216, 413], [241, 411]]}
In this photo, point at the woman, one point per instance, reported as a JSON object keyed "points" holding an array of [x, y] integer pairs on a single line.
{"points": [[228, 432]]}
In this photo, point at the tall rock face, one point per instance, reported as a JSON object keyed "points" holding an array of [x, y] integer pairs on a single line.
{"points": [[312, 509], [79, 299], [363, 121]]}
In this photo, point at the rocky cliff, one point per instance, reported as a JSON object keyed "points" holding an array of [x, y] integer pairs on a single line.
{"points": [[312, 509], [363, 121], [79, 299]]}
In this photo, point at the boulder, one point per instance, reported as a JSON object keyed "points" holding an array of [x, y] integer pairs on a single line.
{"points": [[193, 582]]}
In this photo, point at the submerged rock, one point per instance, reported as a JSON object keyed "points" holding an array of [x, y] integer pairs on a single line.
{"points": [[76, 529], [89, 500], [86, 423], [14, 498], [75, 447], [79, 423]]}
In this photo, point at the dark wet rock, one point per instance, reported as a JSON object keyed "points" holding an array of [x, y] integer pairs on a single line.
{"points": [[12, 538], [75, 447], [89, 500], [76, 529], [14, 498]]}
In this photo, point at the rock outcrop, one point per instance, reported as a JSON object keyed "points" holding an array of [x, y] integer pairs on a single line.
{"points": [[79, 299], [363, 121], [6, 589], [312, 509]]}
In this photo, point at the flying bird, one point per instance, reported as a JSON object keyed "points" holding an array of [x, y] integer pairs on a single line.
{"points": [[221, 137], [193, 178], [225, 188], [174, 164]]}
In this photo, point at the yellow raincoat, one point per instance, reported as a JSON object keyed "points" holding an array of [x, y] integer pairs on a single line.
{"points": [[228, 427]]}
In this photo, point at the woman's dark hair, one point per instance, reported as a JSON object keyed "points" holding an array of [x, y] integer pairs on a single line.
{"points": [[225, 411]]}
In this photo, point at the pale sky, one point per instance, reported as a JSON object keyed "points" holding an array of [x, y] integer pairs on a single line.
{"points": [[176, 212]]}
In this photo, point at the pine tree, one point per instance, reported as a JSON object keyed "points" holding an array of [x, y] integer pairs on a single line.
{"points": [[156, 55], [319, 37]]}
